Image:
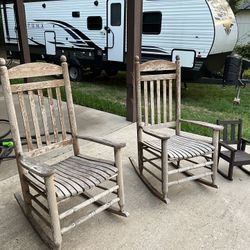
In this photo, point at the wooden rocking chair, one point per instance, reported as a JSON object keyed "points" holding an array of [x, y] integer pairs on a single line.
{"points": [[45, 187], [235, 156], [154, 115]]}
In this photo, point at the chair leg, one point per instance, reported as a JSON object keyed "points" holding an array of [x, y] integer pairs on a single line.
{"points": [[26, 198], [118, 162], [140, 156], [230, 172], [216, 137], [53, 210], [164, 165]]}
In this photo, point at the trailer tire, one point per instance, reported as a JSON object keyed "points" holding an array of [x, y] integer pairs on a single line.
{"points": [[111, 71], [75, 73]]}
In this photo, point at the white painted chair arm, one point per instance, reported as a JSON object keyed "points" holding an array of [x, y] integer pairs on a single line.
{"points": [[40, 169], [204, 124], [116, 145]]}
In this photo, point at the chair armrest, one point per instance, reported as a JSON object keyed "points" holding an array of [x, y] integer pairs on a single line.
{"points": [[152, 132], [116, 145], [244, 142], [223, 144], [204, 124], [40, 169]]}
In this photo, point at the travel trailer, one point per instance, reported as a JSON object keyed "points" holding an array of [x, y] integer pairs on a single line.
{"points": [[92, 33]]}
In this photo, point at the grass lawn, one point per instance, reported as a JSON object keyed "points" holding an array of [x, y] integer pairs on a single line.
{"points": [[205, 102]]}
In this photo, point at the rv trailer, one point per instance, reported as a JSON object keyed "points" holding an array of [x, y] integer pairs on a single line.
{"points": [[92, 33]]}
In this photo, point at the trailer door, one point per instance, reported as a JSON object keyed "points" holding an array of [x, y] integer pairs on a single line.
{"points": [[115, 30], [50, 42]]}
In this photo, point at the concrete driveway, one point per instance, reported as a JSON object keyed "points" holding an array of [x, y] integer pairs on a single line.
{"points": [[198, 217]]}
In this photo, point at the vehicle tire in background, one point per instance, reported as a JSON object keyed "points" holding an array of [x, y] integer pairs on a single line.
{"points": [[75, 73]]}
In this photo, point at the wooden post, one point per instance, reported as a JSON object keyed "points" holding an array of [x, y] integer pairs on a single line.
{"points": [[22, 31], [134, 30]]}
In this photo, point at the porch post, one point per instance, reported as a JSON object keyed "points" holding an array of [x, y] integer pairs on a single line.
{"points": [[22, 31], [134, 30]]}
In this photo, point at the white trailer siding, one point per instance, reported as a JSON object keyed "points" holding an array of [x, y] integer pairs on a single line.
{"points": [[188, 26]]}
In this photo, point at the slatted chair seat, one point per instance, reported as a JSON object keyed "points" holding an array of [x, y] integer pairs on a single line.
{"points": [[75, 175], [241, 157], [180, 147]]}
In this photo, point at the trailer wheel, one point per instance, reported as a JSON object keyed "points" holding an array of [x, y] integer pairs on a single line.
{"points": [[75, 73], [111, 71]]}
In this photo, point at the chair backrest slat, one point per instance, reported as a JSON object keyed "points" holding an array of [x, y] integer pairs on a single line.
{"points": [[232, 131], [48, 148], [164, 101], [158, 77], [29, 70], [43, 118], [157, 65], [155, 91], [152, 102], [37, 85], [35, 118], [170, 100], [146, 101], [25, 120], [61, 114], [52, 114]]}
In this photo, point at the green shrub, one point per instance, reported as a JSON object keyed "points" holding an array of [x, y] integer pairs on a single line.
{"points": [[244, 50]]}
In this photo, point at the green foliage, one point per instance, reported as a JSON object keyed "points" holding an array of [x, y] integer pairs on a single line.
{"points": [[244, 50], [234, 4], [205, 102]]}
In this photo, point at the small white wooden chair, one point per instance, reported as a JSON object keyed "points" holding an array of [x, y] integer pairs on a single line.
{"points": [[45, 186], [160, 158]]}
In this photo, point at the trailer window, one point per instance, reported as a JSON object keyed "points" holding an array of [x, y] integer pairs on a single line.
{"points": [[94, 23], [152, 23], [116, 11]]}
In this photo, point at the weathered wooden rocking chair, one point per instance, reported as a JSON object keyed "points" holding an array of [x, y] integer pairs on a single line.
{"points": [[154, 116], [44, 186]]}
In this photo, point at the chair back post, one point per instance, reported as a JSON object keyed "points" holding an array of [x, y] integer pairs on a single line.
{"points": [[138, 110], [70, 106], [239, 134], [138, 90], [178, 95], [10, 107], [4, 77]]}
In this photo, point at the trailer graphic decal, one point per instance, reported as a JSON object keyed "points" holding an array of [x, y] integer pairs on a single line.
{"points": [[223, 14], [72, 31]]}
